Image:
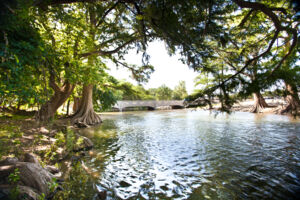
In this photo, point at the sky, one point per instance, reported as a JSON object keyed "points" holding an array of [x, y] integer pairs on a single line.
{"points": [[168, 70]]}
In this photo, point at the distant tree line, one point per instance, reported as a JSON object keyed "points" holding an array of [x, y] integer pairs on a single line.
{"points": [[124, 90]]}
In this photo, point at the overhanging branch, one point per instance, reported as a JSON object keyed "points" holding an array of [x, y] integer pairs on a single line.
{"points": [[104, 53], [246, 18], [268, 11], [106, 13]]}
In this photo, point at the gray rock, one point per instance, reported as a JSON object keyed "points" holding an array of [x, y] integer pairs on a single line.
{"points": [[34, 176], [43, 130], [81, 125], [85, 144], [30, 157], [24, 192], [124, 184], [31, 174], [102, 193], [52, 169], [9, 161]]}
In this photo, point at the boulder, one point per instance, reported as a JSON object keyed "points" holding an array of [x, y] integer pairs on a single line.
{"points": [[52, 169], [23, 192], [83, 143], [9, 161], [43, 131], [101, 193], [30, 157], [31, 174], [34, 176]]}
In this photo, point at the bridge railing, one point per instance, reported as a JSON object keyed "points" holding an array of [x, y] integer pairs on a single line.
{"points": [[147, 103]]}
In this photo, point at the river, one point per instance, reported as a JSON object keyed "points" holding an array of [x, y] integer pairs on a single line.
{"points": [[185, 154]]}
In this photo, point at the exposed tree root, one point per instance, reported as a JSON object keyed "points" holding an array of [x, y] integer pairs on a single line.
{"points": [[85, 114], [292, 99], [89, 117], [259, 103], [293, 106]]}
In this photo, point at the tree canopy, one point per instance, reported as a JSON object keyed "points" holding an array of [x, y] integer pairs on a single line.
{"points": [[51, 50]]}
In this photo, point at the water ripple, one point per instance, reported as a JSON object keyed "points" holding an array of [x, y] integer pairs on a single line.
{"points": [[194, 155]]}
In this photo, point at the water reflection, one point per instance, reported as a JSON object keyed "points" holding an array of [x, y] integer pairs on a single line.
{"points": [[195, 155]]}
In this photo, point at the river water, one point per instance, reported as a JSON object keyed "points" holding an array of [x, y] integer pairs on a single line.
{"points": [[186, 154]]}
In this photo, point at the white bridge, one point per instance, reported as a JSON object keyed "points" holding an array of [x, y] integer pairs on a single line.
{"points": [[150, 104]]}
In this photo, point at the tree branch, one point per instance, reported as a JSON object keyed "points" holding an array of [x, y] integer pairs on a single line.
{"points": [[279, 9], [6, 45], [236, 69], [104, 53], [49, 32], [106, 13], [42, 3], [261, 7], [52, 83], [9, 8], [268, 11], [248, 62], [246, 18]]}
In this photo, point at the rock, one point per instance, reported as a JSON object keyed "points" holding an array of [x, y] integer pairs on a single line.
{"points": [[5, 171], [102, 193], [30, 157], [60, 127], [43, 130], [81, 125], [53, 133], [9, 161], [24, 192], [88, 144], [124, 184], [34, 176], [31, 174], [83, 143], [52, 169]]}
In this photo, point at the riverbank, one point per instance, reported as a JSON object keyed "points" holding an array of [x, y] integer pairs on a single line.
{"points": [[275, 106], [37, 160]]}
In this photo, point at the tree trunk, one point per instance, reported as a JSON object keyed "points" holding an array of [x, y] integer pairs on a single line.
{"points": [[68, 107], [85, 114], [292, 99], [49, 109], [76, 104], [259, 103]]}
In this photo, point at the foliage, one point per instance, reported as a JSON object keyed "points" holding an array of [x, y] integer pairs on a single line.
{"points": [[14, 177], [179, 91], [22, 52], [53, 185], [249, 61], [42, 197], [10, 142], [163, 93], [78, 185], [57, 42]]}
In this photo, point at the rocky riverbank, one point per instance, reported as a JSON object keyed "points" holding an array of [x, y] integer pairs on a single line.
{"points": [[32, 155]]}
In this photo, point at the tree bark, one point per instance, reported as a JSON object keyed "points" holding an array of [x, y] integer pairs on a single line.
{"points": [[85, 114], [61, 94], [76, 104], [68, 107], [259, 103], [292, 98]]}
